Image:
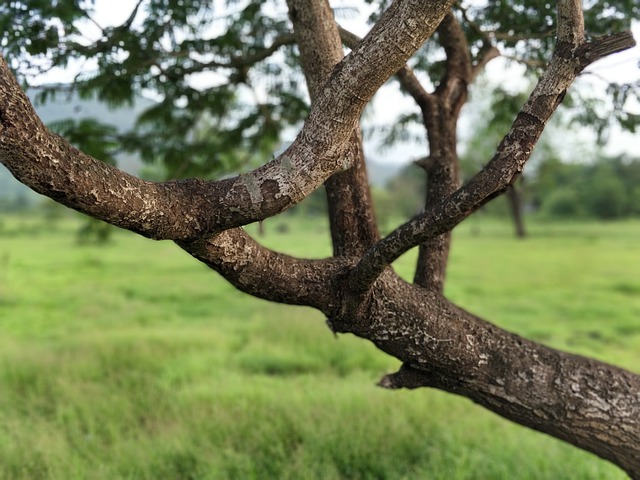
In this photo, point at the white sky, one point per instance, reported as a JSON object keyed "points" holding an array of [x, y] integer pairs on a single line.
{"points": [[389, 102]]}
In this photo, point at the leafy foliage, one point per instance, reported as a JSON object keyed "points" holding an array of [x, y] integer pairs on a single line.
{"points": [[226, 77], [221, 94], [524, 33], [605, 189], [227, 84]]}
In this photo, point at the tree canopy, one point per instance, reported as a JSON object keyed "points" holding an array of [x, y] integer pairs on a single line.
{"points": [[226, 75]]}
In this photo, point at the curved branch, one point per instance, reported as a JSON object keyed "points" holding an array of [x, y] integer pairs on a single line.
{"points": [[439, 111], [266, 274], [509, 160], [405, 76], [192, 208]]}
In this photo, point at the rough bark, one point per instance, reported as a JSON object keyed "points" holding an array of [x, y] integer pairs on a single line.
{"points": [[440, 111], [260, 272], [352, 223], [584, 402], [508, 162]]}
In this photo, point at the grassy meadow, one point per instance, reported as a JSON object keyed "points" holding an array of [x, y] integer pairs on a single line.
{"points": [[134, 361]]}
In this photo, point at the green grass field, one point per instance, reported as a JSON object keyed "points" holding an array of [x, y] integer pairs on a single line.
{"points": [[133, 361]]}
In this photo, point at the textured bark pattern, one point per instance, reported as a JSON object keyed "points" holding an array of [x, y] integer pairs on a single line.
{"points": [[582, 401], [352, 222], [587, 403], [285, 279], [188, 209]]}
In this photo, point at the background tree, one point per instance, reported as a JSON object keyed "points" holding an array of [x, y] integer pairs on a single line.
{"points": [[587, 403], [605, 188]]}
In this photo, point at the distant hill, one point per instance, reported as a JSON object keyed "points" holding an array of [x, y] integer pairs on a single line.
{"points": [[381, 172]]}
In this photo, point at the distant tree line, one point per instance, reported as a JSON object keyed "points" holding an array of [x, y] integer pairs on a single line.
{"points": [[607, 188]]}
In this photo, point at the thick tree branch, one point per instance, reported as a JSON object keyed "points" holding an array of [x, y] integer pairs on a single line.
{"points": [[587, 403], [405, 76], [192, 208], [433, 254], [570, 22], [440, 123], [458, 62], [440, 112], [352, 222], [509, 160], [263, 273]]}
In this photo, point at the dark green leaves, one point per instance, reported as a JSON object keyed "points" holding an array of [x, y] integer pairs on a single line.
{"points": [[223, 101], [92, 137]]}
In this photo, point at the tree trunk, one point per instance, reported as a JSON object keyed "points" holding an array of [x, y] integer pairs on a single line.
{"points": [[515, 208]]}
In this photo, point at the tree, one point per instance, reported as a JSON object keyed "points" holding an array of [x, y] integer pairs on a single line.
{"points": [[605, 188], [587, 403]]}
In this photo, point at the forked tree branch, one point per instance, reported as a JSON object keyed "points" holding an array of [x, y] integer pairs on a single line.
{"points": [[458, 59], [183, 210], [585, 402], [439, 112], [570, 22], [580, 400], [512, 154]]}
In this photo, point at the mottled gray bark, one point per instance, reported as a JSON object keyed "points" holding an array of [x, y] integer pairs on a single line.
{"points": [[587, 403]]}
